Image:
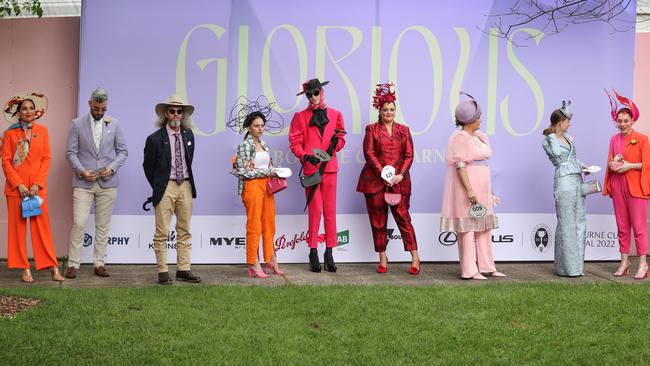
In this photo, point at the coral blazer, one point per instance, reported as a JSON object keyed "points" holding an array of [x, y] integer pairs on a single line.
{"points": [[638, 181], [303, 138], [380, 149], [35, 168]]}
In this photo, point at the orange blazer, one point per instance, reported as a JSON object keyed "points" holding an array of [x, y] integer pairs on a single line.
{"points": [[638, 181], [35, 167]]}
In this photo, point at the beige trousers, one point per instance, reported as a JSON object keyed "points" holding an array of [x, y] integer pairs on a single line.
{"points": [[176, 200], [82, 201]]}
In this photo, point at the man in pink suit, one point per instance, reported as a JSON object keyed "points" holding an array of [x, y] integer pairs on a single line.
{"points": [[318, 127]]}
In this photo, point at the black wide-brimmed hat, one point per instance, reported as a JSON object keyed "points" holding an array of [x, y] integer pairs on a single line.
{"points": [[312, 85]]}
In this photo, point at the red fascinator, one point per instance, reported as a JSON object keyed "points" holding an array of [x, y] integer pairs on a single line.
{"points": [[383, 95], [625, 102]]}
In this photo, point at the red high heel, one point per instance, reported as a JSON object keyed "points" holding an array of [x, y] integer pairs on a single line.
{"points": [[642, 269], [414, 271], [252, 272], [623, 270], [275, 269], [382, 269]]}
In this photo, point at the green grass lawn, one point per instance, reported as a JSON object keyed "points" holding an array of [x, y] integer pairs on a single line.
{"points": [[546, 324]]}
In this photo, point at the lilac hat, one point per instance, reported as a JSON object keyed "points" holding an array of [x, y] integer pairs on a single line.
{"points": [[467, 111]]}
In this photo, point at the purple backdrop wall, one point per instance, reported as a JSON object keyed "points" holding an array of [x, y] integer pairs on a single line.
{"points": [[213, 51]]}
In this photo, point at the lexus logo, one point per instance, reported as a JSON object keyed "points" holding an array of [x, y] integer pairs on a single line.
{"points": [[447, 238]]}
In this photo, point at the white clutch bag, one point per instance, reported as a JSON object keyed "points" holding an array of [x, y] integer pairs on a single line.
{"points": [[590, 187]]}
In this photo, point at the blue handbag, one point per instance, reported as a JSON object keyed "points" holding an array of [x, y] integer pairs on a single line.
{"points": [[31, 206]]}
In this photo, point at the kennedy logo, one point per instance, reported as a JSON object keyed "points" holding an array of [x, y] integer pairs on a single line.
{"points": [[390, 235], [112, 240], [171, 241], [228, 241], [540, 238], [343, 238], [447, 238]]}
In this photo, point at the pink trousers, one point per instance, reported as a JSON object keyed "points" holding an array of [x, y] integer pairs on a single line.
{"points": [[323, 202], [475, 253], [631, 212]]}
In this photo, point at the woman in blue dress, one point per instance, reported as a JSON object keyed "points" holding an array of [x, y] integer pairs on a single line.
{"points": [[570, 208]]}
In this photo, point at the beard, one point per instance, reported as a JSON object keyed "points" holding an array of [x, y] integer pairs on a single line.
{"points": [[174, 123]]}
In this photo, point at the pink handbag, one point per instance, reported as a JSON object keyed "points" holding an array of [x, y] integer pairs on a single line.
{"points": [[392, 198], [275, 185]]}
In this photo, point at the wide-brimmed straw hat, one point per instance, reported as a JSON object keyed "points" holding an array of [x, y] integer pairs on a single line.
{"points": [[173, 100], [11, 107]]}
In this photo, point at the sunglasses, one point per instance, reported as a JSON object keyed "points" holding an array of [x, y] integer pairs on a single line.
{"points": [[175, 111], [314, 94]]}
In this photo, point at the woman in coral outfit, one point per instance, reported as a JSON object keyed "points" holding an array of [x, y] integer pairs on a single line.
{"points": [[627, 182], [388, 143], [468, 182], [253, 169], [26, 161]]}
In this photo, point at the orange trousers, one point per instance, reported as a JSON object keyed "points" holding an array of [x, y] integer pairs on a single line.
{"points": [[44, 256], [260, 219]]}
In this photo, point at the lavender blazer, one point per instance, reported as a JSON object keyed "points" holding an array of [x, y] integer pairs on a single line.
{"points": [[82, 154]]}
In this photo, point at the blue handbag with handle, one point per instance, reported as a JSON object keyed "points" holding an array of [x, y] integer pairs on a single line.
{"points": [[31, 206]]}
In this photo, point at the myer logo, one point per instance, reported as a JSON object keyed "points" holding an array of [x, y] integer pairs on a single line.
{"points": [[233, 241], [390, 235], [343, 238], [540, 238], [447, 238], [112, 240]]}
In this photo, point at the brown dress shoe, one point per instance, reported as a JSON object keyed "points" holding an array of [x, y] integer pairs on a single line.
{"points": [[164, 279], [71, 273], [101, 271], [187, 276]]}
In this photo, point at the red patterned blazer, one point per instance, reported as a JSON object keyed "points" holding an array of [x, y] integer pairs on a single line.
{"points": [[380, 149]]}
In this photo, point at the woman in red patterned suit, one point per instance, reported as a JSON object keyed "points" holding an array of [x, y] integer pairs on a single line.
{"points": [[388, 143]]}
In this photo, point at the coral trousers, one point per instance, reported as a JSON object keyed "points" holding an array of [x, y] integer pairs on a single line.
{"points": [[323, 202], [475, 252], [44, 255], [630, 212], [260, 219]]}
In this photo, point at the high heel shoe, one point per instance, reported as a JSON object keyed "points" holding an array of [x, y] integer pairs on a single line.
{"points": [[413, 270], [314, 263], [623, 269], [275, 269], [328, 260], [56, 275], [642, 273], [252, 272], [26, 276], [382, 269]]}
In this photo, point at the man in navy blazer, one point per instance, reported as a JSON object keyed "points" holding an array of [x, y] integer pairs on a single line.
{"points": [[168, 155], [96, 151]]}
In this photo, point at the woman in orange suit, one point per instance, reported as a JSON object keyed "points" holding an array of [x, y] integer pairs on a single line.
{"points": [[25, 162]]}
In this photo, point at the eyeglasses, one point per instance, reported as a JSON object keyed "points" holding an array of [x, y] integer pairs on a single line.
{"points": [[314, 94], [175, 111]]}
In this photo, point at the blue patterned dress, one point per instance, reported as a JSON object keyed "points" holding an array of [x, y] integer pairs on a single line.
{"points": [[570, 208]]}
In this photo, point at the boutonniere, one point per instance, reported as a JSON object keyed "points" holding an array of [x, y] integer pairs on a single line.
{"points": [[107, 121], [634, 142]]}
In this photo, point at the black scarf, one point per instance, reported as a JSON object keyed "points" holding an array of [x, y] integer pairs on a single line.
{"points": [[319, 118]]}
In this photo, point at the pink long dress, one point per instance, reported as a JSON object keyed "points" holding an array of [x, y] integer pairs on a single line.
{"points": [[474, 152]]}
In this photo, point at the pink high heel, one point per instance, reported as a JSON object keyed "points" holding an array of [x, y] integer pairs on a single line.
{"points": [[623, 269], [252, 272], [276, 269], [642, 273]]}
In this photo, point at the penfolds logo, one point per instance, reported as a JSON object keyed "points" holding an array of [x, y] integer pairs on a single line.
{"points": [[283, 242]]}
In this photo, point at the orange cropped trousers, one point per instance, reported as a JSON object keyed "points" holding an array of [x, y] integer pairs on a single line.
{"points": [[260, 219]]}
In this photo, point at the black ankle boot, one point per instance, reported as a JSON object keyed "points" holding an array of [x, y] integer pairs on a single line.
{"points": [[314, 264], [329, 261]]}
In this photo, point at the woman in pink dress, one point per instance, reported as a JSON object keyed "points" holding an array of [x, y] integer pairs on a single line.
{"points": [[468, 184]]}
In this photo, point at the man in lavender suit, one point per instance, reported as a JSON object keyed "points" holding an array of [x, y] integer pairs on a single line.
{"points": [[96, 151]]}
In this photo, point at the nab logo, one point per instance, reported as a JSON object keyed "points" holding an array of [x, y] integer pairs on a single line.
{"points": [[540, 238], [447, 238], [343, 238], [389, 235], [88, 240], [236, 241]]}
